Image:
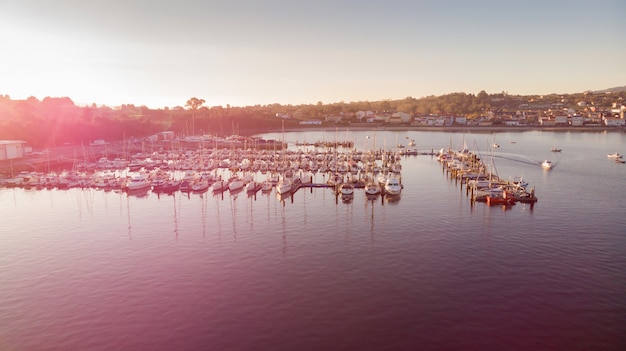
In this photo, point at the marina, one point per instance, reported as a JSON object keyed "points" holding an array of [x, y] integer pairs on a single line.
{"points": [[317, 269], [287, 171], [199, 168]]}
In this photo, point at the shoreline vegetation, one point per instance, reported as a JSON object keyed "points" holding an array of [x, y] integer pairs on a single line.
{"points": [[452, 129], [56, 121]]}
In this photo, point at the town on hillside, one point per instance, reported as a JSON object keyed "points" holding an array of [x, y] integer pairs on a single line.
{"points": [[56, 121]]}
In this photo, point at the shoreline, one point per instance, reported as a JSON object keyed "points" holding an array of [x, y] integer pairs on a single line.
{"points": [[452, 129], [63, 154]]}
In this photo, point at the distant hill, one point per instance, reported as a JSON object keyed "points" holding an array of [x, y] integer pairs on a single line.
{"points": [[612, 90]]}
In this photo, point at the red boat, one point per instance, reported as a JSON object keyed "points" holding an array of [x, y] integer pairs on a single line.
{"points": [[506, 199]]}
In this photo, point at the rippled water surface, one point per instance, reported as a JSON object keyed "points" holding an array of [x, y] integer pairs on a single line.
{"points": [[95, 270]]}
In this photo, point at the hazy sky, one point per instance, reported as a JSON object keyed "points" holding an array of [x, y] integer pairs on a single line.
{"points": [[161, 53]]}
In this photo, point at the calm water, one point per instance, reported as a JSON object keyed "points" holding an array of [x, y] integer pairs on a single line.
{"points": [[95, 270]]}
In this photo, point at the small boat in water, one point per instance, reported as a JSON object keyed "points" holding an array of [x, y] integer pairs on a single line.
{"points": [[235, 184], [267, 186], [372, 188], [185, 186], [392, 186], [519, 182], [614, 155], [200, 185], [219, 185], [252, 186], [284, 185], [171, 185], [346, 189], [505, 199], [547, 164], [139, 182]]}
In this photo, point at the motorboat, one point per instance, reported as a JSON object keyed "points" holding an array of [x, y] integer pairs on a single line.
{"points": [[200, 185], [615, 155], [335, 180], [547, 164], [346, 189], [171, 185], [266, 186], [185, 186], [219, 185], [252, 186], [505, 199], [139, 182], [158, 184], [283, 186], [372, 188], [235, 184], [519, 182], [393, 186]]}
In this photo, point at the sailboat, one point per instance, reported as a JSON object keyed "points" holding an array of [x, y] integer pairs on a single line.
{"points": [[555, 149], [285, 182]]}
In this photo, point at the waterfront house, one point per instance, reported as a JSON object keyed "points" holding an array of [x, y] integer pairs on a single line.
{"points": [[547, 122], [561, 120], [460, 120], [399, 118], [11, 149], [333, 119], [578, 121], [613, 122]]}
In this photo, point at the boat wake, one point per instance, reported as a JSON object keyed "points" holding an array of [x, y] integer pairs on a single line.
{"points": [[518, 158], [523, 159]]}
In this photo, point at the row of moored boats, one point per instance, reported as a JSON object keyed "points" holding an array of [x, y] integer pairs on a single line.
{"points": [[377, 172], [484, 186]]}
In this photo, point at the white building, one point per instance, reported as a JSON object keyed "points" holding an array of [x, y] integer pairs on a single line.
{"points": [[578, 121], [613, 122], [400, 117], [364, 114], [560, 119], [10, 149], [460, 120]]}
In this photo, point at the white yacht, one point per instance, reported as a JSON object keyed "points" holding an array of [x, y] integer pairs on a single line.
{"points": [[266, 186], [346, 189], [614, 155], [219, 185], [138, 183], [284, 185], [392, 186], [235, 184], [547, 164], [372, 188]]}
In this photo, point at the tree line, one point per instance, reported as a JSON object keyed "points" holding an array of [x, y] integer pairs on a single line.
{"points": [[56, 121]]}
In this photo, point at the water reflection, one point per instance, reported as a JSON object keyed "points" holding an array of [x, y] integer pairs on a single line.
{"points": [[347, 198], [175, 219], [140, 193], [371, 197], [130, 233], [335, 271], [392, 199]]}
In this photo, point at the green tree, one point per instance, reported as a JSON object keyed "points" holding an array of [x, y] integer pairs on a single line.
{"points": [[194, 104]]}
